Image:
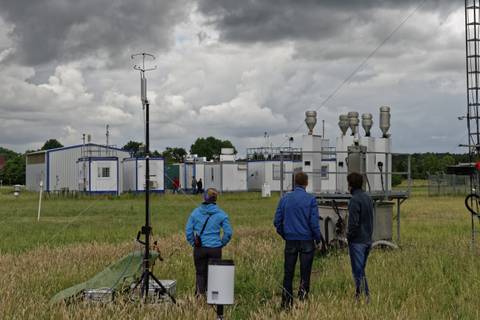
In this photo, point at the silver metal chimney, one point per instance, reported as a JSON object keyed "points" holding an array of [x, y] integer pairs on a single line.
{"points": [[385, 121], [310, 120], [367, 123], [353, 122], [343, 123]]}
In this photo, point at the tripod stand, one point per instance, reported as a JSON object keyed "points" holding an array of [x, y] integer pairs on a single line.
{"points": [[146, 230]]}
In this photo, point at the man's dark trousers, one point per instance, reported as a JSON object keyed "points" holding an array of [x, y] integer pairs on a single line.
{"points": [[358, 258], [200, 257], [306, 250]]}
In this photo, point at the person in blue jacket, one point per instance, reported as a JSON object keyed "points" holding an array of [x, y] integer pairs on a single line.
{"points": [[203, 233], [297, 222]]}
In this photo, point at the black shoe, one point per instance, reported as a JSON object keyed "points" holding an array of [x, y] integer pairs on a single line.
{"points": [[302, 295], [287, 303], [357, 297]]}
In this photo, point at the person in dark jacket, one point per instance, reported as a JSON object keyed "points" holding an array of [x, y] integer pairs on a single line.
{"points": [[199, 186], [205, 223], [297, 222], [359, 233]]}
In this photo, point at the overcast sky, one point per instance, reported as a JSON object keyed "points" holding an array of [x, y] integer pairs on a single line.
{"points": [[228, 68]]}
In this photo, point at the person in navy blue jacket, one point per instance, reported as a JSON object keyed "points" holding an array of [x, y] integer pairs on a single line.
{"points": [[297, 222], [360, 230], [203, 233]]}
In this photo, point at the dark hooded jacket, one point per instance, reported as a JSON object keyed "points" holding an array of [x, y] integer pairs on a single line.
{"points": [[360, 217]]}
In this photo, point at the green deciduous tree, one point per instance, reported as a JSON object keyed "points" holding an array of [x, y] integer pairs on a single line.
{"points": [[173, 155], [210, 147], [7, 154], [51, 144], [134, 148], [14, 170]]}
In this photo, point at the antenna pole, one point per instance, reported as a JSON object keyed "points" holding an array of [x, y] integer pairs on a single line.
{"points": [[146, 230], [107, 134]]}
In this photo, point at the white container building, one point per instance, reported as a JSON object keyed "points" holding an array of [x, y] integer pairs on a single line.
{"points": [[268, 171], [225, 176], [134, 175], [188, 171], [57, 168], [99, 175], [234, 176]]}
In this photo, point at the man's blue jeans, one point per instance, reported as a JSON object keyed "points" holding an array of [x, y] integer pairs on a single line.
{"points": [[358, 257]]}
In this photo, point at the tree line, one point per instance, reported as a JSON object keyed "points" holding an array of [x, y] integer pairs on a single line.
{"points": [[424, 164]]}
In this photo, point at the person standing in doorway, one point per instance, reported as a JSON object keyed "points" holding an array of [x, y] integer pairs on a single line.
{"points": [[194, 185], [176, 185], [203, 233], [199, 186], [359, 233], [297, 222]]}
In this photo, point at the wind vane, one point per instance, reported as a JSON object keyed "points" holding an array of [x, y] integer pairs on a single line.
{"points": [[143, 69]]}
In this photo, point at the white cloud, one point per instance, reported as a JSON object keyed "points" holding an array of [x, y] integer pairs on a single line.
{"points": [[207, 86]]}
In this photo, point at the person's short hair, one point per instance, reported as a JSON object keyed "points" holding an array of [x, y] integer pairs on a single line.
{"points": [[301, 179], [355, 180], [210, 195]]}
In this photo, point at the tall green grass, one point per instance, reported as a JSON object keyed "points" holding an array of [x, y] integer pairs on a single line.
{"points": [[434, 275]]}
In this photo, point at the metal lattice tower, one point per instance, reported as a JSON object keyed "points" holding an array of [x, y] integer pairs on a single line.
{"points": [[472, 46], [472, 42]]}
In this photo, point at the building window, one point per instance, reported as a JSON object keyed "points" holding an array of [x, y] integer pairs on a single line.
{"points": [[324, 172], [276, 171], [104, 172]]}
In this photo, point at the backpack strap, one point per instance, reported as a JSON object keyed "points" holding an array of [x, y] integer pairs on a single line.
{"points": [[204, 225]]}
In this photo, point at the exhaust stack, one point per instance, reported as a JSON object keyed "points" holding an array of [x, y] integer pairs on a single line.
{"points": [[367, 123], [385, 121], [353, 122], [343, 123], [310, 120]]}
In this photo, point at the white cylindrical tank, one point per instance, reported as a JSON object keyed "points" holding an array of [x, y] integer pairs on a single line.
{"points": [[343, 142], [369, 142], [221, 282], [266, 192], [383, 147]]}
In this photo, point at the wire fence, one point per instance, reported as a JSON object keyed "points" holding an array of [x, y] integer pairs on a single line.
{"points": [[442, 184]]}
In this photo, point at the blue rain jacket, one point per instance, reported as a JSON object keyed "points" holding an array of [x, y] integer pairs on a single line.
{"points": [[297, 216], [211, 235]]}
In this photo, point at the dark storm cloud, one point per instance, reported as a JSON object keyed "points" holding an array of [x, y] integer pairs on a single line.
{"points": [[273, 20], [47, 30]]}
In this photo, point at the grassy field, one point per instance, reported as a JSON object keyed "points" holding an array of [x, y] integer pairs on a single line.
{"points": [[435, 274]]}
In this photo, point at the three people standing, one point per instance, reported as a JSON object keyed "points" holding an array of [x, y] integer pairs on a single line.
{"points": [[297, 222]]}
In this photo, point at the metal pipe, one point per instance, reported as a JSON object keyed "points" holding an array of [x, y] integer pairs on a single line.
{"points": [[281, 174], [398, 221], [409, 170], [147, 228], [387, 166]]}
